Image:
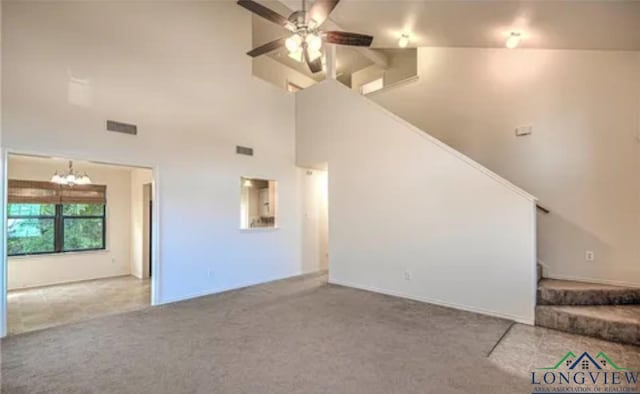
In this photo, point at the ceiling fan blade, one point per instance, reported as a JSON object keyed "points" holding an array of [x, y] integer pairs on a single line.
{"points": [[265, 12], [320, 10], [316, 65], [346, 38], [266, 48]]}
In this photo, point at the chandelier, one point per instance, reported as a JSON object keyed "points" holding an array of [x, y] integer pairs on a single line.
{"points": [[70, 177]]}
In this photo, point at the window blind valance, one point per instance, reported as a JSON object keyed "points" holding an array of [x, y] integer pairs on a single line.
{"points": [[39, 192]]}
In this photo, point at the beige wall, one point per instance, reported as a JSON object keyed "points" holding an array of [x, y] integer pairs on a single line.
{"points": [[402, 65], [40, 270], [411, 217], [278, 74], [315, 216], [178, 70], [582, 160], [139, 241]]}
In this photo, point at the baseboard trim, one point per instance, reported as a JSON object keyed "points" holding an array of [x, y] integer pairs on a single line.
{"points": [[69, 282], [224, 290], [549, 275], [434, 301]]}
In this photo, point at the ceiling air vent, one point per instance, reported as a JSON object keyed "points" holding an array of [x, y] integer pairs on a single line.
{"points": [[243, 150], [119, 127]]}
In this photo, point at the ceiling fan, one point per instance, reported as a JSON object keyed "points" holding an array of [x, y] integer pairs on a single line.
{"points": [[306, 41]]}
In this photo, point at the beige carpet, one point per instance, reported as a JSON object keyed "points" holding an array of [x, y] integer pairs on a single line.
{"points": [[294, 336]]}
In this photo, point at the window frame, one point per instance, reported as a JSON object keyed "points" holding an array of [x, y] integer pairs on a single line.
{"points": [[58, 229]]}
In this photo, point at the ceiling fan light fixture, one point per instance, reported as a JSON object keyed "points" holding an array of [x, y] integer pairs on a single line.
{"points": [[296, 55], [403, 42], [314, 55], [314, 42], [293, 43]]}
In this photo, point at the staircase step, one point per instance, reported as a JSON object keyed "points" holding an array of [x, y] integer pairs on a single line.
{"points": [[617, 323], [565, 292]]}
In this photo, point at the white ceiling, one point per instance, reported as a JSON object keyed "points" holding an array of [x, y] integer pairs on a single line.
{"points": [[569, 24]]}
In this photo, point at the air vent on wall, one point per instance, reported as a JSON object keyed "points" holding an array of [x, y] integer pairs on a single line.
{"points": [[120, 127], [243, 150]]}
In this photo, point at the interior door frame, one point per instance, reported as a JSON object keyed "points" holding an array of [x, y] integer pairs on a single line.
{"points": [[155, 226]]}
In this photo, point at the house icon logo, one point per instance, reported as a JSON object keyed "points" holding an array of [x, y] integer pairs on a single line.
{"points": [[585, 362], [585, 373]]}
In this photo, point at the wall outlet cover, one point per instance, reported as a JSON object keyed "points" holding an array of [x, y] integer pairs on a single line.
{"points": [[589, 255], [524, 130]]}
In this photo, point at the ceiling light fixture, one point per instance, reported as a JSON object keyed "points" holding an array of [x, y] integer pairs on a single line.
{"points": [[314, 42], [70, 177], [293, 43], [514, 39], [403, 41]]}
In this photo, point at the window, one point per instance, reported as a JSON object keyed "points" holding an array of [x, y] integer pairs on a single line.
{"points": [[258, 203], [48, 218], [48, 228], [31, 229]]}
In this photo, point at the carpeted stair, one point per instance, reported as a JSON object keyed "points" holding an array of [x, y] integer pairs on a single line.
{"points": [[603, 311]]}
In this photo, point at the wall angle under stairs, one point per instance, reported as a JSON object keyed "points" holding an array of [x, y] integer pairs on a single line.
{"points": [[412, 217]]}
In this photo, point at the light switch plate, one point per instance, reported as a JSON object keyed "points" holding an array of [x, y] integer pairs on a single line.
{"points": [[524, 130]]}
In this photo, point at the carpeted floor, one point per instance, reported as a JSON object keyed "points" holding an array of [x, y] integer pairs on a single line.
{"points": [[294, 336]]}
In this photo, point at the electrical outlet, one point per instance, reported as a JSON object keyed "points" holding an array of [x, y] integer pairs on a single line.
{"points": [[407, 275], [210, 273], [589, 255], [524, 130]]}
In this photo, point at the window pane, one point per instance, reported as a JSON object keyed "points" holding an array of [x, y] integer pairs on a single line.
{"points": [[27, 236], [82, 234], [32, 210], [83, 210]]}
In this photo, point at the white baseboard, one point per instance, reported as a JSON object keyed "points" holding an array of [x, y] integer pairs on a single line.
{"points": [[520, 319], [548, 273], [218, 291], [592, 280]]}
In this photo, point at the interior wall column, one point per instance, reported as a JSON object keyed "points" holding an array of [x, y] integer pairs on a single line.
{"points": [[330, 57]]}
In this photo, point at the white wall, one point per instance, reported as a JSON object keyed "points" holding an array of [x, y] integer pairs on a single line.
{"points": [[315, 229], [139, 264], [582, 160], [402, 203], [403, 64], [179, 71], [47, 269], [278, 74]]}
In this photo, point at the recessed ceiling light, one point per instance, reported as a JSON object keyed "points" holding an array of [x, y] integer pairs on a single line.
{"points": [[403, 41], [513, 40]]}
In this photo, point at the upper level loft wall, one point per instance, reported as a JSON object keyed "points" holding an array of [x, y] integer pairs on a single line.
{"points": [[402, 65], [582, 160], [409, 216]]}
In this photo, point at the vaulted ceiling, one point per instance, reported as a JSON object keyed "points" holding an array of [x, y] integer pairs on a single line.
{"points": [[568, 24], [544, 24]]}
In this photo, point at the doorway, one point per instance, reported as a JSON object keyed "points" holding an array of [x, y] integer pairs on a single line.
{"points": [[72, 241], [147, 227]]}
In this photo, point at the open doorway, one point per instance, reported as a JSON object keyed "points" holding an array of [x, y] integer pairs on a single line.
{"points": [[78, 241], [315, 228]]}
